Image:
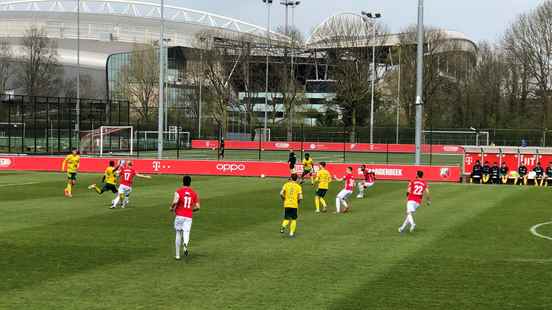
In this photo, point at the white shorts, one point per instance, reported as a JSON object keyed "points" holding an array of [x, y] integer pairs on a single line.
{"points": [[411, 206], [344, 194], [125, 190], [182, 223]]}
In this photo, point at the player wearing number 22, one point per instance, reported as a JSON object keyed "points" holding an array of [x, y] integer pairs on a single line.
{"points": [[126, 179], [415, 195], [291, 195], [185, 203]]}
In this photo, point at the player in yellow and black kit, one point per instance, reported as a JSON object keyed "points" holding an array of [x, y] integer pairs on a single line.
{"points": [[109, 179], [291, 195], [71, 166], [323, 178], [307, 168]]}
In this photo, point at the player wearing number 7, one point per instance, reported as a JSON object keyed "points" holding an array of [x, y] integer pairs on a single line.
{"points": [[415, 196], [185, 203], [126, 178]]}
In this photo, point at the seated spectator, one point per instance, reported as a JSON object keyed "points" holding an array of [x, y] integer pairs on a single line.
{"points": [[475, 176], [486, 171], [549, 174], [522, 175], [495, 173], [539, 175], [504, 173]]}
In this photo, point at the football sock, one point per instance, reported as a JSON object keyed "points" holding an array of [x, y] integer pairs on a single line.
{"points": [[178, 242], [410, 219], [323, 202], [293, 227], [69, 187], [337, 204], [186, 238], [125, 201], [405, 223], [345, 203], [116, 201], [317, 203], [285, 223], [97, 189]]}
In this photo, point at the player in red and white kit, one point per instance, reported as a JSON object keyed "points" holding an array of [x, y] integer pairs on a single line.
{"points": [[369, 181], [346, 192], [415, 195], [126, 179], [185, 203]]}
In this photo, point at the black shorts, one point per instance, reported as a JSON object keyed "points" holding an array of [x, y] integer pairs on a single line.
{"points": [[306, 172], [110, 187], [321, 192], [290, 213], [291, 166], [72, 176]]}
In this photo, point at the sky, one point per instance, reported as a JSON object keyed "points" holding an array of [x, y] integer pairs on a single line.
{"points": [[478, 19]]}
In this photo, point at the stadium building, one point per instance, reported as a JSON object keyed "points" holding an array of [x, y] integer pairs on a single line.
{"points": [[110, 30]]}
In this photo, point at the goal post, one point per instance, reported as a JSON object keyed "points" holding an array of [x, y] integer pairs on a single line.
{"points": [[108, 140], [262, 134], [146, 140], [456, 137]]}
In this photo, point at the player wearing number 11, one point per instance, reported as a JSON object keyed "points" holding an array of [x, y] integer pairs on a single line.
{"points": [[415, 196], [185, 203]]}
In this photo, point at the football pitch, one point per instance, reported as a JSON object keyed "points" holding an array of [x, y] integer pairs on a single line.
{"points": [[473, 248]]}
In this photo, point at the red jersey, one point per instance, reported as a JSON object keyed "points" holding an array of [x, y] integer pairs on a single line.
{"points": [[369, 177], [416, 190], [127, 176], [349, 182], [187, 199]]}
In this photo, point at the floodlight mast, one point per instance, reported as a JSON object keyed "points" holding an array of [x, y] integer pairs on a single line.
{"points": [[419, 82], [161, 108]]}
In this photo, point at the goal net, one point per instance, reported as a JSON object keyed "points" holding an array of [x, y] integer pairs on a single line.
{"points": [[108, 140], [172, 139], [452, 137]]}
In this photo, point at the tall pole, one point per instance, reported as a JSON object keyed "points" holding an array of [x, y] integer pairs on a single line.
{"points": [[77, 127], [373, 82], [268, 3], [399, 96], [419, 82], [200, 89], [160, 127]]}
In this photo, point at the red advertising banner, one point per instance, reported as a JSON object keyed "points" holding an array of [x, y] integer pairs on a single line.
{"points": [[511, 160], [228, 168], [326, 146]]}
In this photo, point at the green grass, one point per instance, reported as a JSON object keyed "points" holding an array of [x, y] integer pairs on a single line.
{"points": [[369, 158], [473, 249]]}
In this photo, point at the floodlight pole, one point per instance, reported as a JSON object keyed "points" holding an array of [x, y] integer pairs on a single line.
{"points": [[200, 87], [372, 17], [419, 83], [160, 127], [399, 96], [268, 3], [78, 74]]}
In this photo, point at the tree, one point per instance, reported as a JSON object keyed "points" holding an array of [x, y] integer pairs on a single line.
{"points": [[88, 88], [349, 40], [40, 73], [139, 82], [6, 65]]}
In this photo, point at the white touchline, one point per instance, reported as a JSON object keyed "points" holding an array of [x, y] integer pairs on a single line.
{"points": [[534, 231], [18, 184]]}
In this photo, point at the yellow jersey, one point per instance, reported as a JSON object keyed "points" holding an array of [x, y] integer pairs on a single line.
{"points": [[324, 178], [109, 175], [71, 163], [292, 192], [307, 164]]}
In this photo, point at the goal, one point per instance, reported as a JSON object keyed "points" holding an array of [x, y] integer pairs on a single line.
{"points": [[262, 134], [453, 137], [112, 140]]}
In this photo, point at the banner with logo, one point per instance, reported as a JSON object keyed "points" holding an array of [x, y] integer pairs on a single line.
{"points": [[512, 160], [228, 168], [326, 146]]}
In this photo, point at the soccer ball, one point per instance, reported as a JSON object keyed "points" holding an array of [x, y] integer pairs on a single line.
{"points": [[122, 162], [262, 176]]}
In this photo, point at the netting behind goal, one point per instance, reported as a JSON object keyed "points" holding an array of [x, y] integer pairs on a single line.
{"points": [[108, 140], [440, 137], [172, 140]]}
